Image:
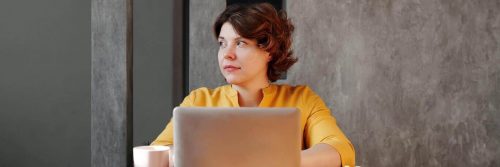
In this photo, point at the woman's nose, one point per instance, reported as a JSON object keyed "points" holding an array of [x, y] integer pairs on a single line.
{"points": [[230, 53]]}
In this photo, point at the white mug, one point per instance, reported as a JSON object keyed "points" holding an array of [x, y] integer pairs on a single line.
{"points": [[151, 156]]}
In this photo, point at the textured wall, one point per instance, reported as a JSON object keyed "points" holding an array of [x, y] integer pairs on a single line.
{"points": [[203, 47], [412, 83], [111, 83]]}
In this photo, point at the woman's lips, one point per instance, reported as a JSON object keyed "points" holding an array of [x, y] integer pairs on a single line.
{"points": [[230, 68]]}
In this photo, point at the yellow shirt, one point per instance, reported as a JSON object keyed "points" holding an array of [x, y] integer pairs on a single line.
{"points": [[317, 124]]}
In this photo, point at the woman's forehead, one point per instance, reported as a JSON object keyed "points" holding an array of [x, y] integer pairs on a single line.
{"points": [[228, 32]]}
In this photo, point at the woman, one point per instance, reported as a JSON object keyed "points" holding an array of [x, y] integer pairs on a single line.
{"points": [[254, 51]]}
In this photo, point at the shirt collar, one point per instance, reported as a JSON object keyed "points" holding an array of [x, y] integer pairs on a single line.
{"points": [[266, 91]]}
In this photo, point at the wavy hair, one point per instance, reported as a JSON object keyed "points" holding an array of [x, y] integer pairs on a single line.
{"points": [[271, 29]]}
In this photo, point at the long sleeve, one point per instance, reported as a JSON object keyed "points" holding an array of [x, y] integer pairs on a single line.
{"points": [[166, 137], [321, 127]]}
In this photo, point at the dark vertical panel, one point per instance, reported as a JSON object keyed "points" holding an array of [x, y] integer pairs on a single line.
{"points": [[44, 83], [185, 46], [111, 85], [179, 37], [154, 68]]}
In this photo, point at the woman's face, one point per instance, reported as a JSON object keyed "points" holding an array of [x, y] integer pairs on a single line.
{"points": [[241, 61]]}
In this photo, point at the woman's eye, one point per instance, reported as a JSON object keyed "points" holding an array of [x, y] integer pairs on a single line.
{"points": [[242, 43], [221, 44]]}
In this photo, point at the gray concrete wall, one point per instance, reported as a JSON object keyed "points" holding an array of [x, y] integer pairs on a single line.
{"points": [[111, 83], [203, 47], [44, 83], [411, 83]]}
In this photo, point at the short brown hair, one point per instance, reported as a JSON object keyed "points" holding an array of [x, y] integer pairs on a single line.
{"points": [[272, 30]]}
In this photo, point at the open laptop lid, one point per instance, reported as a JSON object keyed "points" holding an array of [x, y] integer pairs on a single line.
{"points": [[243, 136]]}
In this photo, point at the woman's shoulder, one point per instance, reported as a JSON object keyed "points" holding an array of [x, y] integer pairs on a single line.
{"points": [[206, 97], [294, 89], [303, 93]]}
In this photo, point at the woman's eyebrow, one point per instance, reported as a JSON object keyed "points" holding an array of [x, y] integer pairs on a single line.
{"points": [[235, 39]]}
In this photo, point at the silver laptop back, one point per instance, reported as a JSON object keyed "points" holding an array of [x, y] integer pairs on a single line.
{"points": [[236, 137]]}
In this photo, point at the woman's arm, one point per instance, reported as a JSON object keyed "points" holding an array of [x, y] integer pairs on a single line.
{"points": [[320, 155], [321, 128]]}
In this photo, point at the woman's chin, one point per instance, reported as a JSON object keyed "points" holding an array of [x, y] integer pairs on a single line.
{"points": [[229, 81], [232, 80]]}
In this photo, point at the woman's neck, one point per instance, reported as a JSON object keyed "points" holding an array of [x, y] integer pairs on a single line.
{"points": [[250, 95]]}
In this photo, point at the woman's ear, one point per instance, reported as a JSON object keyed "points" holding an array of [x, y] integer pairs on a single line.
{"points": [[269, 57]]}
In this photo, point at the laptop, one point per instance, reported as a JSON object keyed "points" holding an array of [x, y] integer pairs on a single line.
{"points": [[236, 137]]}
